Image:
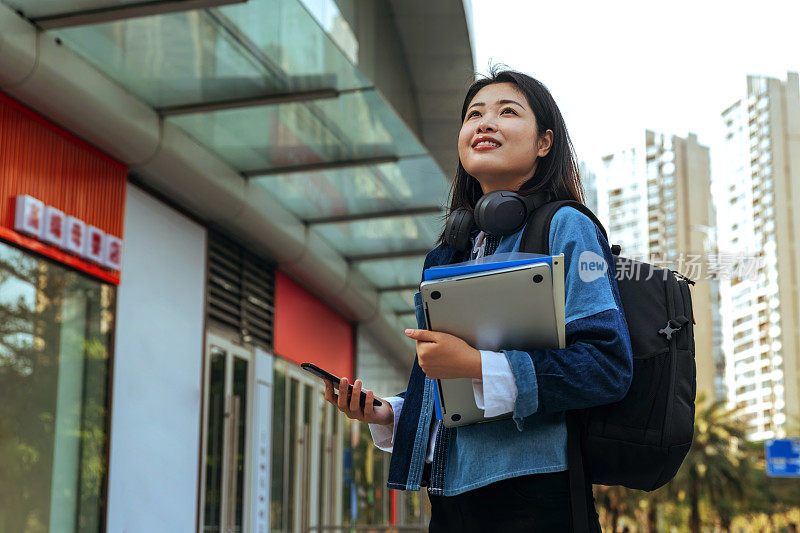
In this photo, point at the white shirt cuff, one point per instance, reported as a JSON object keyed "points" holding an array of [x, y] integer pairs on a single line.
{"points": [[496, 391], [383, 436]]}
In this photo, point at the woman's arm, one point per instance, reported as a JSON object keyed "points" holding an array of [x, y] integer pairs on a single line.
{"points": [[597, 365]]}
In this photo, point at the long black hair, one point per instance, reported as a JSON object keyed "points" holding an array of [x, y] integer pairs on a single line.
{"points": [[557, 172]]}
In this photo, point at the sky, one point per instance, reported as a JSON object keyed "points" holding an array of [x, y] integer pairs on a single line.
{"points": [[617, 68]]}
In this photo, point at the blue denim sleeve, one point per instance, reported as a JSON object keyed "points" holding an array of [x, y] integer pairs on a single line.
{"points": [[596, 366]]}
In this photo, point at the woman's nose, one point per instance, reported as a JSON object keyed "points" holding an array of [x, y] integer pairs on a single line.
{"points": [[486, 126]]}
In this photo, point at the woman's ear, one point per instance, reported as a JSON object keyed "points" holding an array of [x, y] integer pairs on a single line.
{"points": [[545, 143]]}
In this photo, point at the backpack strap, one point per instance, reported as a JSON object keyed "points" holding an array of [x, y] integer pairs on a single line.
{"points": [[577, 476], [536, 236], [536, 239]]}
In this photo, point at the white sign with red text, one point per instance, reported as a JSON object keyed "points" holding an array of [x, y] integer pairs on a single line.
{"points": [[50, 225], [54, 222], [76, 236], [29, 216]]}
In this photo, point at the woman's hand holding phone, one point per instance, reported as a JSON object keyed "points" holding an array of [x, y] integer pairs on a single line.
{"points": [[371, 414]]}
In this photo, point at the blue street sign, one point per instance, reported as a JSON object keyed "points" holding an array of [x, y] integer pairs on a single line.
{"points": [[783, 457]]}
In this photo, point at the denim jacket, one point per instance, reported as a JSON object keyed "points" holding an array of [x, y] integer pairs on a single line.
{"points": [[595, 368]]}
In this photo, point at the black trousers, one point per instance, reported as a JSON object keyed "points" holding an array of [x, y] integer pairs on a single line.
{"points": [[532, 503]]}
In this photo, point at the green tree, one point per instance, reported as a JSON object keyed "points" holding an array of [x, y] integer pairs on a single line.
{"points": [[717, 467]]}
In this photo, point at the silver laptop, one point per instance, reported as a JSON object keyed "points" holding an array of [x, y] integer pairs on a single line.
{"points": [[515, 308]]}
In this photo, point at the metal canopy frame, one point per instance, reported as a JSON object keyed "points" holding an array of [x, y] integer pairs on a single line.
{"points": [[398, 288], [224, 105], [400, 254], [125, 11], [356, 217], [258, 101], [318, 167]]}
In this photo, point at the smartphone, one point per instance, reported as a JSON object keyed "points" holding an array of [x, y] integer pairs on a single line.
{"points": [[317, 371]]}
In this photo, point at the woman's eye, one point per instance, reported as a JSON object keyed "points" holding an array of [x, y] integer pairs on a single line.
{"points": [[470, 115]]}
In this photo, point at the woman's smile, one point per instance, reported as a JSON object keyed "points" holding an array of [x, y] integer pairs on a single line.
{"points": [[484, 143]]}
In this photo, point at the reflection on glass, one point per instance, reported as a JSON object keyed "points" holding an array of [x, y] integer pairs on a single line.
{"points": [[203, 56], [411, 182], [323, 465], [239, 428], [368, 499], [290, 38], [55, 341], [379, 235], [327, 14], [42, 8], [353, 126], [306, 462], [392, 272], [291, 456], [212, 521], [398, 300]]}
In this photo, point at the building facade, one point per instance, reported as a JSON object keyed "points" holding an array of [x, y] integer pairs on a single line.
{"points": [[194, 202], [757, 193], [655, 201]]}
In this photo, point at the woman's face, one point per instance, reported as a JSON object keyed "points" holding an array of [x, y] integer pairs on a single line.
{"points": [[499, 113]]}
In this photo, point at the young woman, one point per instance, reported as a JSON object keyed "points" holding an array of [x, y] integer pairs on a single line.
{"points": [[510, 474]]}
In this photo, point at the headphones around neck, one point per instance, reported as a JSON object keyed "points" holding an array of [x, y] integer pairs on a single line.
{"points": [[496, 213]]}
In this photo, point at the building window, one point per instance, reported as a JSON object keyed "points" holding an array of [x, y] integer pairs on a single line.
{"points": [[55, 347]]}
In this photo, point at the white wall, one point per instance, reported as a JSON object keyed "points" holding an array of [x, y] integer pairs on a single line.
{"points": [[155, 425]]}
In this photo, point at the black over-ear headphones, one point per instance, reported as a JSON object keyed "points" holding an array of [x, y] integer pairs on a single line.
{"points": [[496, 213]]}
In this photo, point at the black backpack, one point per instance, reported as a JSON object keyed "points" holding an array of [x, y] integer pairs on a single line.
{"points": [[640, 441]]}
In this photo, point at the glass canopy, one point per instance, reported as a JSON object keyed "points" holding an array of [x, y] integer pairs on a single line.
{"points": [[398, 300], [355, 125], [272, 87], [45, 8], [403, 272], [410, 183], [381, 235], [257, 49]]}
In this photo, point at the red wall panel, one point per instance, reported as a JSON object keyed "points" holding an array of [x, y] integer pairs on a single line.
{"points": [[44, 161], [307, 330]]}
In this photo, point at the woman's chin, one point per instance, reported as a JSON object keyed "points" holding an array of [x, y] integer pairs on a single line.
{"points": [[487, 169]]}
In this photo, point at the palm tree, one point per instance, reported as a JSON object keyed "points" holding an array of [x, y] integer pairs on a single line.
{"points": [[713, 468], [618, 502]]}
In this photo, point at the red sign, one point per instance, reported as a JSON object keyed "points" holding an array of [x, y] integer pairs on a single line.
{"points": [[50, 225]]}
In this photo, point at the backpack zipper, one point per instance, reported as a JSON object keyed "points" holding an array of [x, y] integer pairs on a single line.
{"points": [[673, 354]]}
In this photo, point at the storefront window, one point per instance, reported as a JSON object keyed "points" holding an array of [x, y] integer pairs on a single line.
{"points": [[55, 343]]}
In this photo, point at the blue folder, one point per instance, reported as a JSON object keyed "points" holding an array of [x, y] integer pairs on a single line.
{"points": [[485, 264]]}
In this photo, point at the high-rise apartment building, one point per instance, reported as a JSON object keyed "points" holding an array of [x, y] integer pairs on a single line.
{"points": [[589, 182], [757, 193], [655, 201]]}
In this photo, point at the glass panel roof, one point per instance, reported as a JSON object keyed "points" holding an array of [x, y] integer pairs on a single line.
{"points": [[353, 126], [260, 48], [43, 8], [398, 300], [409, 183], [382, 235], [392, 272], [255, 49]]}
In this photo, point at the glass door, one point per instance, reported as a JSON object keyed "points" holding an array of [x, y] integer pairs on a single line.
{"points": [[225, 466], [306, 453]]}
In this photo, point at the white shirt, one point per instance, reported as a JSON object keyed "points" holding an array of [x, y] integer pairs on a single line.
{"points": [[495, 392]]}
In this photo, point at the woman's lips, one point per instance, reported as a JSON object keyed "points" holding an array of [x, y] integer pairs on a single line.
{"points": [[484, 147]]}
